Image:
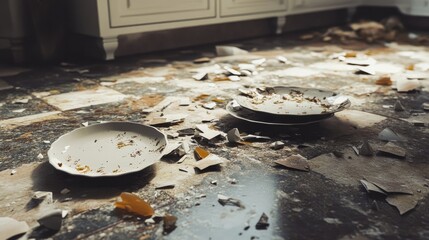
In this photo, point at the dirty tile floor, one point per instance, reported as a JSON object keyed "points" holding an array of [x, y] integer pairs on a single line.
{"points": [[327, 202]]}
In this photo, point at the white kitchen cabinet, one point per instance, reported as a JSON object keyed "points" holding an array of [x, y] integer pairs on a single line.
{"points": [[141, 12], [243, 7], [105, 20]]}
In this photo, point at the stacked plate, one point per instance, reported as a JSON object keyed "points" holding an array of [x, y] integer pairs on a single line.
{"points": [[286, 105]]}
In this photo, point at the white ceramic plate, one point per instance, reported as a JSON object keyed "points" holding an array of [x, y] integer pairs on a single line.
{"points": [[294, 101], [267, 119], [107, 149]]}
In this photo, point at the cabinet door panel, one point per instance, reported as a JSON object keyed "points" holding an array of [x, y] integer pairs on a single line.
{"points": [[139, 12], [243, 7]]}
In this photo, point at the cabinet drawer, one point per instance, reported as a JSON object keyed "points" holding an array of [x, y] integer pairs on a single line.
{"points": [[243, 7], [319, 3], [139, 12]]}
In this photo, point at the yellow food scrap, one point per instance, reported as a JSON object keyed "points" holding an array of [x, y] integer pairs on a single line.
{"points": [[201, 153], [350, 55], [410, 67], [83, 169], [132, 203]]}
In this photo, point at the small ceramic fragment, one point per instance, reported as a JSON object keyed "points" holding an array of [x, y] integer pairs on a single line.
{"points": [[134, 204], [209, 105], [366, 149], [229, 51], [234, 78], [393, 149], [202, 60], [389, 186], [277, 145], [369, 187], [225, 200], [425, 106], [10, 227], [251, 137], [169, 224], [404, 203], [65, 191], [263, 222], [200, 76], [165, 185], [52, 219], [206, 132], [297, 162], [258, 62], [399, 107], [233, 136], [388, 134], [210, 160]]}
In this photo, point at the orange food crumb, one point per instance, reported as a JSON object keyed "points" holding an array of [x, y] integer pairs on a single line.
{"points": [[201, 153], [384, 80], [132, 203], [410, 67]]}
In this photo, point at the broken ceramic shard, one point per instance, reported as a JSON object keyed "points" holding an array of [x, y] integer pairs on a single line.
{"points": [[258, 62], [206, 132], [165, 185], [402, 84], [234, 78], [52, 219], [209, 105], [10, 227], [225, 200], [252, 137], [167, 119], [296, 161], [65, 191], [169, 223], [277, 145], [232, 71], [233, 136], [399, 107], [229, 51], [388, 134], [43, 196], [366, 149], [210, 160], [202, 60], [389, 186], [393, 149], [200, 76], [201, 153], [355, 150], [133, 204], [21, 101], [368, 70], [404, 203], [283, 59], [369, 187], [186, 132], [360, 60], [263, 222]]}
